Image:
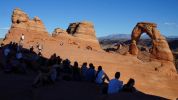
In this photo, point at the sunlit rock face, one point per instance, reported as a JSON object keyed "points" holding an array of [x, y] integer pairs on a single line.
{"points": [[21, 20]]}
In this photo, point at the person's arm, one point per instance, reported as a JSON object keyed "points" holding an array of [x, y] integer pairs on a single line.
{"points": [[106, 76]]}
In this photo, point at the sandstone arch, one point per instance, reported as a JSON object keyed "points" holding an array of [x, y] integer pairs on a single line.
{"points": [[160, 48]]}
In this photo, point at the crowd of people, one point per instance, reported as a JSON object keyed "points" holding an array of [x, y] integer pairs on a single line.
{"points": [[14, 58]]}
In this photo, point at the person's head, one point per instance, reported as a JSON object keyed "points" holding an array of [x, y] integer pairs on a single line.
{"points": [[99, 68], [75, 64], [131, 82], [68, 61], [59, 59], [84, 64], [90, 65], [117, 75]]}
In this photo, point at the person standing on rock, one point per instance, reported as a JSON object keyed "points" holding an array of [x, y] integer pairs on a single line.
{"points": [[22, 39], [39, 47]]}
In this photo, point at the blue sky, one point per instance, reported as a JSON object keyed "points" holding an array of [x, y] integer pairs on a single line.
{"points": [[108, 16]]}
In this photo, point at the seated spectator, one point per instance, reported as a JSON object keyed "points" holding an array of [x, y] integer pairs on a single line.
{"points": [[53, 73], [6, 51], [76, 72], [129, 87], [23, 66], [67, 66], [8, 66], [1, 58], [42, 78], [91, 73], [67, 70], [101, 76], [115, 85], [84, 70], [19, 55]]}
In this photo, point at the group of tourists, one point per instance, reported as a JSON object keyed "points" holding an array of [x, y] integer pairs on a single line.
{"points": [[14, 58], [57, 69]]}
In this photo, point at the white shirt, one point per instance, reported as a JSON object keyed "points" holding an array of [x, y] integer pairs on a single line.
{"points": [[22, 37], [114, 86]]}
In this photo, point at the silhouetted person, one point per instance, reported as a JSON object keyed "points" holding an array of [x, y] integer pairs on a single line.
{"points": [[67, 66], [129, 87], [67, 71], [44, 77], [91, 73], [6, 51], [19, 55], [76, 71], [31, 49], [115, 85], [101, 76], [84, 70], [53, 73]]}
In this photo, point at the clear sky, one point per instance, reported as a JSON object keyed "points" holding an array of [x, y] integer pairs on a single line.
{"points": [[108, 16]]}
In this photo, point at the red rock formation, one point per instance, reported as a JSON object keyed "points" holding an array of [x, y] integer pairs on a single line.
{"points": [[80, 33], [58, 31], [160, 48], [21, 20], [33, 29], [83, 30]]}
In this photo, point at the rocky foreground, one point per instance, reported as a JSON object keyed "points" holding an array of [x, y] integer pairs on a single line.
{"points": [[156, 77]]}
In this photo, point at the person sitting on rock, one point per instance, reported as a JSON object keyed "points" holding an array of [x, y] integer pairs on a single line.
{"points": [[84, 70], [53, 73], [42, 78], [76, 72], [91, 73], [101, 76], [6, 51], [115, 85], [67, 70], [129, 87], [19, 55]]}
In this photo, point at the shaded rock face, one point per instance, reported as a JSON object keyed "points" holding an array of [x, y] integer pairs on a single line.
{"points": [[21, 20], [160, 48]]}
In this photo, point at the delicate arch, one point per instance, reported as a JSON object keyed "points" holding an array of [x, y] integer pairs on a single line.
{"points": [[160, 48]]}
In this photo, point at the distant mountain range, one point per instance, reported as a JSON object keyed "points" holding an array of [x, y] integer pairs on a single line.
{"points": [[128, 37]]}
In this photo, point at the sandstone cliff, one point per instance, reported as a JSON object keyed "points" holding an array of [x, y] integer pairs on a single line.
{"points": [[33, 29]]}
